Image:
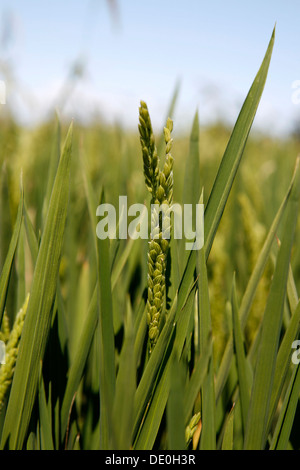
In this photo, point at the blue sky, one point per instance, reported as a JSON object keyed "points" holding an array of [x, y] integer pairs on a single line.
{"points": [[213, 48]]}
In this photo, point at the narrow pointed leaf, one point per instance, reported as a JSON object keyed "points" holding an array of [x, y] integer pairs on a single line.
{"points": [[191, 186], [197, 378], [256, 429], [107, 341], [287, 413], [77, 367], [38, 317], [227, 442], [45, 419], [125, 389], [227, 170], [8, 264], [30, 235], [234, 151], [283, 361], [208, 433], [251, 288], [243, 367], [175, 407]]}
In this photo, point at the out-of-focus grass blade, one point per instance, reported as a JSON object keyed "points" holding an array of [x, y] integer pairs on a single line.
{"points": [[21, 288], [38, 317], [105, 312], [140, 332], [292, 291], [256, 428], [234, 151], [77, 366], [197, 378], [191, 185], [6, 271], [45, 418], [243, 366], [173, 100], [283, 361], [227, 170], [120, 263], [227, 442], [125, 389], [92, 206], [31, 442], [90, 195], [208, 433], [175, 407], [54, 161], [5, 215], [105, 307], [79, 312], [250, 291], [30, 235], [286, 417], [107, 341]]}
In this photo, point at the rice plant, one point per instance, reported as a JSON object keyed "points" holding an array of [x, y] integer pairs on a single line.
{"points": [[140, 344]]}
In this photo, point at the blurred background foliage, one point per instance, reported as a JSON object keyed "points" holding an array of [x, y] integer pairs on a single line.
{"points": [[114, 163]]}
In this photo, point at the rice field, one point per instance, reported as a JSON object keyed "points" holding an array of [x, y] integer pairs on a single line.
{"points": [[139, 344]]}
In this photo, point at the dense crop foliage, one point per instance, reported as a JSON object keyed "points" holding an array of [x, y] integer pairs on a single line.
{"points": [[76, 311]]}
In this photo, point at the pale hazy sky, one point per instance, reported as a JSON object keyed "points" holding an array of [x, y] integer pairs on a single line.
{"points": [[213, 47]]}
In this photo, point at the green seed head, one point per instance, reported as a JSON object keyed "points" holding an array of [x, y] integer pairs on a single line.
{"points": [[191, 428], [160, 185], [7, 369]]}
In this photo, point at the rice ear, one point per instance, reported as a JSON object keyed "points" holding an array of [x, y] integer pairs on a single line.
{"points": [[160, 185]]}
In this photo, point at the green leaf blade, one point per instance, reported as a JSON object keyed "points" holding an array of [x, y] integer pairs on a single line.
{"points": [[38, 317], [234, 151], [175, 407], [256, 429]]}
